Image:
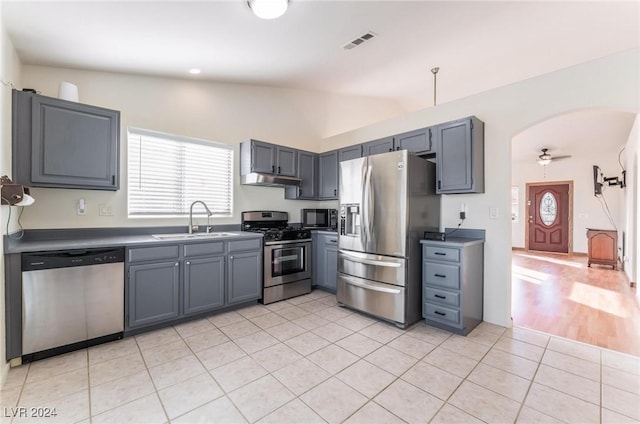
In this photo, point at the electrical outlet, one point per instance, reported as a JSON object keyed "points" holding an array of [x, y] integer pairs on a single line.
{"points": [[105, 210], [81, 207]]}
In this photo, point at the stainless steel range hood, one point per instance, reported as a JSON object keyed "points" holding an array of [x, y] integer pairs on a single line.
{"points": [[270, 180]]}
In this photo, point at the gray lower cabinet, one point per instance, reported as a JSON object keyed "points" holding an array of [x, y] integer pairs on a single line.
{"points": [[452, 283], [245, 277], [169, 282], [62, 144], [328, 175], [460, 156], [204, 281], [325, 260], [153, 293]]}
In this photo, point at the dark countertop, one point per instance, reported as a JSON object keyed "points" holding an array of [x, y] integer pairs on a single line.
{"points": [[87, 239], [453, 242], [326, 231]]}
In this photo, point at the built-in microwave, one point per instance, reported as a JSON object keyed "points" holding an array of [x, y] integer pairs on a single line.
{"points": [[319, 218]]}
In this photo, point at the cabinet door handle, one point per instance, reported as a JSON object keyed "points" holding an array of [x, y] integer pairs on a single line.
{"points": [[300, 192], [439, 184], [278, 170], [439, 253], [439, 313], [335, 191], [439, 275], [176, 264], [391, 149], [273, 169], [439, 296], [113, 180], [188, 263], [333, 241]]}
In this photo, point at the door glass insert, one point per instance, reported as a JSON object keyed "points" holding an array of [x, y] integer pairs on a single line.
{"points": [[289, 260], [548, 208]]}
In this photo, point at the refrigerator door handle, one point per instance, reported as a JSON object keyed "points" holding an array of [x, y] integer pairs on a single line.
{"points": [[363, 208], [361, 260], [364, 285], [370, 204]]}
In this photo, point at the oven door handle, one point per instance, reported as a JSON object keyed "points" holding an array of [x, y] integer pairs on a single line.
{"points": [[358, 283]]}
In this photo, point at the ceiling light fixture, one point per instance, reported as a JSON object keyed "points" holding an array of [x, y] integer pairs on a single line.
{"points": [[194, 71], [268, 9]]}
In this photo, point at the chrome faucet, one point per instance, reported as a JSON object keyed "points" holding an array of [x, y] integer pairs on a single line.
{"points": [[195, 227]]}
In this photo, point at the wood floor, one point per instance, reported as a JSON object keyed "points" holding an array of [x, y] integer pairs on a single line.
{"points": [[560, 295]]}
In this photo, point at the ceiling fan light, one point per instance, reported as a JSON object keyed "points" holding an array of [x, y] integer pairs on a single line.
{"points": [[268, 9], [544, 162]]}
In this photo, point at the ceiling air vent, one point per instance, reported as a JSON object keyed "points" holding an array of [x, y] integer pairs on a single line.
{"points": [[355, 43]]}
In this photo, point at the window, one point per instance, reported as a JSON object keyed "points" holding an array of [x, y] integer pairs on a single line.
{"points": [[167, 173], [515, 194]]}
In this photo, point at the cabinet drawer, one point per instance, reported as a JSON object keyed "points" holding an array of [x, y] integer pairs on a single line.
{"points": [[441, 253], [441, 296], [329, 240], [203, 249], [152, 253], [244, 245], [441, 313], [442, 275]]}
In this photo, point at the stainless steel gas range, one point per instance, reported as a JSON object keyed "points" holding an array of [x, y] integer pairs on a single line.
{"points": [[287, 255]]}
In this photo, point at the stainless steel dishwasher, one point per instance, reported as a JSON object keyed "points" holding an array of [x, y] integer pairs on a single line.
{"points": [[71, 299]]}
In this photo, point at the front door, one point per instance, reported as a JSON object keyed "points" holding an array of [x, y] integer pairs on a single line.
{"points": [[549, 215]]}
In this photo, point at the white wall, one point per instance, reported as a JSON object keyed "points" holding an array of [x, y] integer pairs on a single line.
{"points": [[611, 82], [587, 209], [9, 73], [632, 210], [227, 113]]}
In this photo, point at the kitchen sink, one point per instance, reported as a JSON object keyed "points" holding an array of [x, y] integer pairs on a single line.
{"points": [[187, 236]]}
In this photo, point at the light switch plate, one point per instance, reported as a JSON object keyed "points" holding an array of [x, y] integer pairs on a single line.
{"points": [[81, 207], [493, 213]]}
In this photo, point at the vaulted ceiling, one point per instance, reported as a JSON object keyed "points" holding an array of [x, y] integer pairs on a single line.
{"points": [[477, 45]]}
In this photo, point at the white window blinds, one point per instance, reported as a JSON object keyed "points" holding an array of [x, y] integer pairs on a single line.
{"points": [[166, 173]]}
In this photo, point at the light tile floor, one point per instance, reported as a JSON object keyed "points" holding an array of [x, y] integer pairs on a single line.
{"points": [[307, 360]]}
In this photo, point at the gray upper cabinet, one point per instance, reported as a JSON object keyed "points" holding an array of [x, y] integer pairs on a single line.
{"points": [[328, 175], [267, 158], [381, 145], [460, 156], [63, 144], [419, 141], [307, 164], [351, 152]]}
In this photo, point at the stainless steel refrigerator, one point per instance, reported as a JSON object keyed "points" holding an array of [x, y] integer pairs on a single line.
{"points": [[386, 203]]}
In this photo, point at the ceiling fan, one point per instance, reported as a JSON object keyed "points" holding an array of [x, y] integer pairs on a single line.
{"points": [[545, 158]]}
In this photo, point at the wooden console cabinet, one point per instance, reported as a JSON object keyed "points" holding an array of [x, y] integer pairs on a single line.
{"points": [[603, 247]]}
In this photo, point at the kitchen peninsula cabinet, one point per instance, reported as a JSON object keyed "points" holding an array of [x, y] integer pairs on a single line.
{"points": [[452, 283], [63, 144], [460, 156]]}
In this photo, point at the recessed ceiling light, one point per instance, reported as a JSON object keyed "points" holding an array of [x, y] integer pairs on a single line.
{"points": [[194, 71], [268, 9]]}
